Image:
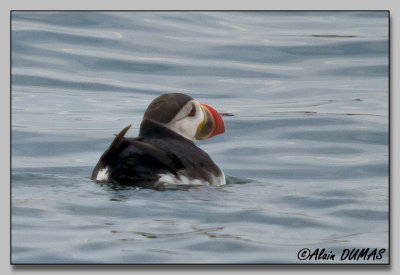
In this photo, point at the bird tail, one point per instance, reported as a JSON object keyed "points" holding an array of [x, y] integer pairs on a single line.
{"points": [[113, 149]]}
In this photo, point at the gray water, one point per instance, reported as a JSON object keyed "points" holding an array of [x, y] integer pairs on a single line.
{"points": [[305, 149]]}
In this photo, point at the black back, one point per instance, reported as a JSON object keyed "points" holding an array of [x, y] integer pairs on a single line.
{"points": [[158, 150]]}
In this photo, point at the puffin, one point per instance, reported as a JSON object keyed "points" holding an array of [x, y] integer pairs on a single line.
{"points": [[164, 153]]}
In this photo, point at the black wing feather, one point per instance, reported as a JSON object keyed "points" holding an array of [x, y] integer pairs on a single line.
{"points": [[132, 161]]}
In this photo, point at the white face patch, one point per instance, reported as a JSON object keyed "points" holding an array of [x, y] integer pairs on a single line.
{"points": [[184, 124], [103, 175]]}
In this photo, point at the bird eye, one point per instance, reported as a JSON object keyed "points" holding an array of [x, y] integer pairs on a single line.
{"points": [[193, 111]]}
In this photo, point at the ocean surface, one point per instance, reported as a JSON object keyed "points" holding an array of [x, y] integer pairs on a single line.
{"points": [[305, 152]]}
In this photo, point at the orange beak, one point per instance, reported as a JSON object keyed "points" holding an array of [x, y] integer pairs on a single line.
{"points": [[211, 125]]}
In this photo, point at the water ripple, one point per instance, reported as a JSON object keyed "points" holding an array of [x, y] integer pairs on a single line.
{"points": [[305, 153]]}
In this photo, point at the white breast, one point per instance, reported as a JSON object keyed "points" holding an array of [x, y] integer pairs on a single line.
{"points": [[169, 179]]}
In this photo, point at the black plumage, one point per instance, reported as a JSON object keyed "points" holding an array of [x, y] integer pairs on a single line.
{"points": [[158, 150]]}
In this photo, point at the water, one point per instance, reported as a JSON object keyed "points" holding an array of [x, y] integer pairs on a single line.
{"points": [[305, 151]]}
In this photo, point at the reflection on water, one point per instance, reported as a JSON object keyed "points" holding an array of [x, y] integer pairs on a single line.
{"points": [[305, 102]]}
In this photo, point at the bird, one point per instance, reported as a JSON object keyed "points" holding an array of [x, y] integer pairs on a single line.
{"points": [[164, 153]]}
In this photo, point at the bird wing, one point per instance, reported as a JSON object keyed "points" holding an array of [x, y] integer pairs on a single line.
{"points": [[133, 161]]}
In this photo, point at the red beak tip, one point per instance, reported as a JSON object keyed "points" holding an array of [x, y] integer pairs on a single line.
{"points": [[219, 122]]}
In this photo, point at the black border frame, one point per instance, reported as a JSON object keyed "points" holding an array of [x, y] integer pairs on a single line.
{"points": [[341, 266]]}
